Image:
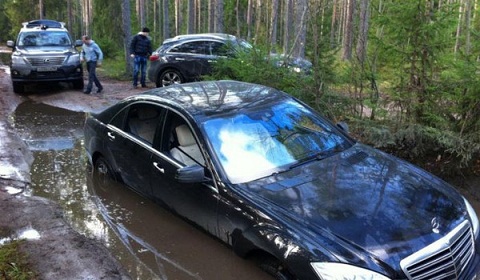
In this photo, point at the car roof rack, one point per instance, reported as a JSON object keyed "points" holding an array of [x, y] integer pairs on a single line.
{"points": [[222, 36], [44, 24]]}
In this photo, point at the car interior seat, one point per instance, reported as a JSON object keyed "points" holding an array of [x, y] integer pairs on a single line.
{"points": [[143, 123], [188, 151]]}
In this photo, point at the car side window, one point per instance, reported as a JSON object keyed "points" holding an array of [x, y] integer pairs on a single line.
{"points": [[142, 121], [197, 47], [180, 143], [218, 49]]}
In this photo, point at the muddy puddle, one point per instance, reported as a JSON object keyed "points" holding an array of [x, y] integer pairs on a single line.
{"points": [[150, 242]]}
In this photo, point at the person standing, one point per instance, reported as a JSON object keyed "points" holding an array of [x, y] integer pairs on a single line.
{"points": [[140, 50], [93, 55]]}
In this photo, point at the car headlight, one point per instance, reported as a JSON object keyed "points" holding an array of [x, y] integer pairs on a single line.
{"points": [[73, 59], [473, 217], [18, 60], [336, 271]]}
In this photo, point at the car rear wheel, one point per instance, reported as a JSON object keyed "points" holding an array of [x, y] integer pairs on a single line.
{"points": [[169, 77], [102, 170]]}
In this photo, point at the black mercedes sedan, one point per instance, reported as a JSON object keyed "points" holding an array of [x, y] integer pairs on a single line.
{"points": [[280, 184]]}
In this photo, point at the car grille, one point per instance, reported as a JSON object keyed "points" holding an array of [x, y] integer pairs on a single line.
{"points": [[42, 61], [445, 259]]}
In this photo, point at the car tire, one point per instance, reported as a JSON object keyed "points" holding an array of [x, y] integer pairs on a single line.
{"points": [[273, 267], [78, 84], [169, 77], [18, 87], [102, 170]]}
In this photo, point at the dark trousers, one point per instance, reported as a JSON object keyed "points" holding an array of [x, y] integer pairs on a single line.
{"points": [[92, 76], [139, 66]]}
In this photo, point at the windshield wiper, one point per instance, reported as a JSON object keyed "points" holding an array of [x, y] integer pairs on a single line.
{"points": [[314, 157]]}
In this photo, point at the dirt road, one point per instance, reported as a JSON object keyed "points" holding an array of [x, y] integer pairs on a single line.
{"points": [[55, 250]]}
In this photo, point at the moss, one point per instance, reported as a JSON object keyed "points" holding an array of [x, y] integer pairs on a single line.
{"points": [[13, 263]]}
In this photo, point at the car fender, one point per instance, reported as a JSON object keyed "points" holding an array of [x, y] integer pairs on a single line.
{"points": [[274, 241]]}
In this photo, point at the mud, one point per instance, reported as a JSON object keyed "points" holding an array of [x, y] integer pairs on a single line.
{"points": [[54, 249]]}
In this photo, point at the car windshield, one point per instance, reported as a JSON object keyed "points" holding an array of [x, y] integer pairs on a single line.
{"points": [[44, 38], [255, 144]]}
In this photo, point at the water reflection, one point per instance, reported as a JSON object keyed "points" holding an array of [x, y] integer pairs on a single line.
{"points": [[150, 242]]}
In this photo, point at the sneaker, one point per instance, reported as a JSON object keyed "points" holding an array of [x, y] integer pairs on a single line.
{"points": [[86, 91], [144, 86], [99, 90], [134, 86]]}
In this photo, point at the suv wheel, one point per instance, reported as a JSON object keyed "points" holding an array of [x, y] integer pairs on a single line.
{"points": [[18, 87], [78, 84], [169, 77]]}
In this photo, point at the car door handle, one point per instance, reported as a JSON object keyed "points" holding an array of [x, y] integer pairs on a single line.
{"points": [[111, 136], [179, 58], [157, 166]]}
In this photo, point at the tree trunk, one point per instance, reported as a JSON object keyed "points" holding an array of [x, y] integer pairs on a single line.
{"points": [[363, 31], [288, 22], [219, 17], [127, 34], [249, 20], [166, 20], [348, 35], [301, 11], [191, 17], [273, 24]]}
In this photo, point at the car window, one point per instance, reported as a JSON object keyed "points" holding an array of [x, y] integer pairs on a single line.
{"points": [[273, 138], [179, 141], [217, 48], [197, 47], [44, 38], [142, 121]]}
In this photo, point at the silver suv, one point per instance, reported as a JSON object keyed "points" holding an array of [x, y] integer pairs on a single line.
{"points": [[45, 51]]}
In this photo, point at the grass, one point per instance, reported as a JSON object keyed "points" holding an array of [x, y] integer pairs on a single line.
{"points": [[13, 263]]}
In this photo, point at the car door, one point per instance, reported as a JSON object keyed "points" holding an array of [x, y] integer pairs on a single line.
{"points": [[131, 149], [196, 202], [190, 58]]}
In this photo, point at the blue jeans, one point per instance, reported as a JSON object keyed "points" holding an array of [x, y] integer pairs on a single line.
{"points": [[139, 65], [92, 76]]}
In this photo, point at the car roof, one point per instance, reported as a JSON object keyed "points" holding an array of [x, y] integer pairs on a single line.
{"points": [[210, 98]]}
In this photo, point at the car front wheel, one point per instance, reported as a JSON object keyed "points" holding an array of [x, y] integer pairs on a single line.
{"points": [[273, 267], [18, 87], [169, 77]]}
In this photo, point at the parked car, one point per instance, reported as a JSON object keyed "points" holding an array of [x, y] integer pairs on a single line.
{"points": [[44, 52], [272, 178], [185, 58]]}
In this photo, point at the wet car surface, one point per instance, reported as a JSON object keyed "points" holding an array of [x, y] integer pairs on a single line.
{"points": [[274, 180]]}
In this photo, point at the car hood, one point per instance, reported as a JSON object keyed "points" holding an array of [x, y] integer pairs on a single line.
{"points": [[365, 200]]}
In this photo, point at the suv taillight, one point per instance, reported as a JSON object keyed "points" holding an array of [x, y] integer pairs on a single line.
{"points": [[154, 57]]}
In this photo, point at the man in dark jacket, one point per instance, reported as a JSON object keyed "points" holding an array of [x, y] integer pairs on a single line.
{"points": [[140, 50]]}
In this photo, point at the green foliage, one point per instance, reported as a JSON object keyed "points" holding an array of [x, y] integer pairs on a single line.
{"points": [[114, 67], [13, 264]]}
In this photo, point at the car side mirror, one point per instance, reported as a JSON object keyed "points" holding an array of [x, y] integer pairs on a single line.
{"points": [[78, 43], [10, 44], [190, 174], [343, 126]]}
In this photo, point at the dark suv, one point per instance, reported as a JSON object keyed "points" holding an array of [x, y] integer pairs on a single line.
{"points": [[185, 58], [44, 51]]}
